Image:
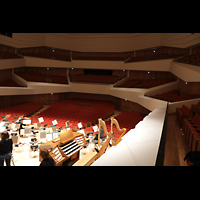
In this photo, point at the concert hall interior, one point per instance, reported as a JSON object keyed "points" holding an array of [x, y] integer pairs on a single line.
{"points": [[99, 99]]}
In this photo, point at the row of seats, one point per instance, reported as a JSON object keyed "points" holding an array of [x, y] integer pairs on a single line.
{"points": [[9, 83], [6, 55], [140, 83], [189, 120], [182, 113], [43, 78], [196, 108], [126, 120], [191, 130], [173, 96], [95, 78], [25, 109], [75, 111], [152, 57], [193, 59]]}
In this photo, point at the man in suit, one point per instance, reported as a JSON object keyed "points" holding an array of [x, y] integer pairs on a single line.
{"points": [[21, 125]]}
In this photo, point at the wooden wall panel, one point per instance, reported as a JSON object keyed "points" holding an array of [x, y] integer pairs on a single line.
{"points": [[5, 74], [189, 88], [48, 99], [153, 74], [48, 71], [130, 106]]}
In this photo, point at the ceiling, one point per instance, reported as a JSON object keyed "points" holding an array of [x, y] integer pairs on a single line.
{"points": [[102, 42]]}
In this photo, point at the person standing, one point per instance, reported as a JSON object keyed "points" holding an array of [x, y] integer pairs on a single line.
{"points": [[6, 147], [46, 159]]}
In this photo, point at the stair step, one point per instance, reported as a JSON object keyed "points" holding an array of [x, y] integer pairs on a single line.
{"points": [[41, 110]]}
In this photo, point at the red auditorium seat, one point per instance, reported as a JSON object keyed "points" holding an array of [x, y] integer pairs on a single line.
{"points": [[196, 108], [195, 140], [187, 123], [182, 113], [26, 109], [133, 119], [191, 130], [77, 110]]}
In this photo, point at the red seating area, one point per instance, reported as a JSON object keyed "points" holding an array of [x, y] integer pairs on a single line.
{"points": [[42, 78], [152, 57], [59, 79], [173, 96], [45, 52], [95, 78], [126, 120], [33, 77], [181, 113], [9, 83], [190, 126], [75, 111], [191, 130], [193, 59], [149, 83], [26, 109], [196, 108], [6, 55]]}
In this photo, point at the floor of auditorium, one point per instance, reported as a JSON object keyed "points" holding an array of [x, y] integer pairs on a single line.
{"points": [[175, 144], [175, 148]]}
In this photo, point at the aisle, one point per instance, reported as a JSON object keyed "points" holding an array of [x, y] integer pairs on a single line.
{"points": [[175, 145]]}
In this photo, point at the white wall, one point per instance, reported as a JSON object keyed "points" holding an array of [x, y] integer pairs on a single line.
{"points": [[188, 73], [172, 106]]}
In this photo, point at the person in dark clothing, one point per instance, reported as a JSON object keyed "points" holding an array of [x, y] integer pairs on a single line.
{"points": [[194, 157], [101, 134], [6, 147], [47, 160], [21, 126]]}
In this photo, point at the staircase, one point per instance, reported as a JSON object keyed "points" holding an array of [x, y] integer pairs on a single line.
{"points": [[41, 110], [117, 112]]}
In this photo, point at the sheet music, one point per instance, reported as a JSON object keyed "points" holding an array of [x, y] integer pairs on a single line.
{"points": [[27, 121], [55, 135], [80, 125], [95, 128], [41, 119], [54, 122], [49, 136]]}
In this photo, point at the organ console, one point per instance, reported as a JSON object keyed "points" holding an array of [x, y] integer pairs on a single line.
{"points": [[66, 146], [69, 143]]}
